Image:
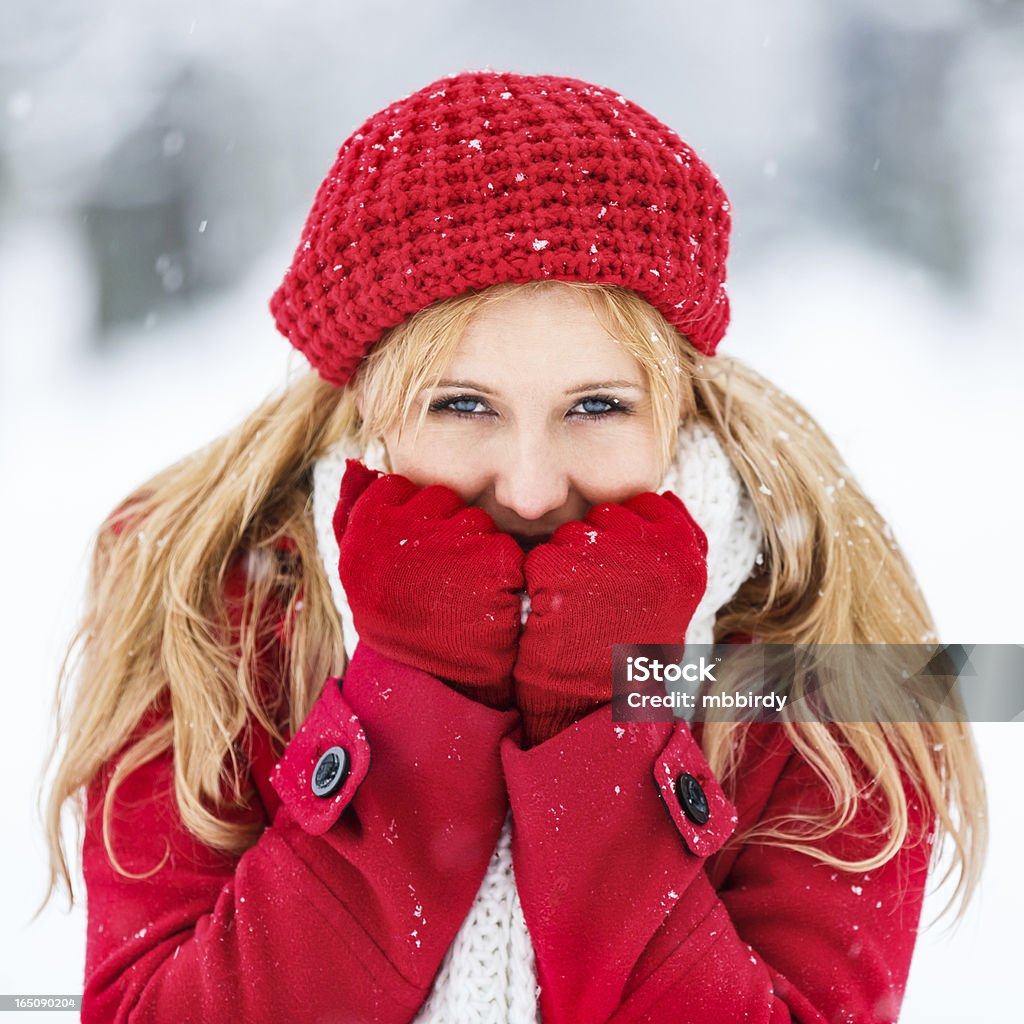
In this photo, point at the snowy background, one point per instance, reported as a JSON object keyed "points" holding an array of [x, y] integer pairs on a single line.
{"points": [[156, 162]]}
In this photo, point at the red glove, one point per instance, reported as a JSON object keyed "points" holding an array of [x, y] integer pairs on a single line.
{"points": [[430, 581], [626, 574]]}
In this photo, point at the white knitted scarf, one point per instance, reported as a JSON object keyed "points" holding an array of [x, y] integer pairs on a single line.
{"points": [[488, 975]]}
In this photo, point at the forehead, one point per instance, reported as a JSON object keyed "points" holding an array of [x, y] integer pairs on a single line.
{"points": [[548, 334]]}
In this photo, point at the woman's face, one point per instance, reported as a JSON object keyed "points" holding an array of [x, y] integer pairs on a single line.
{"points": [[540, 415]]}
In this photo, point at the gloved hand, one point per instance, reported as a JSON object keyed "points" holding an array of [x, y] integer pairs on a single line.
{"points": [[431, 581], [626, 574]]}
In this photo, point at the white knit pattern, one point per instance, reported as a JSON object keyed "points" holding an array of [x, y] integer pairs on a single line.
{"points": [[709, 486], [488, 975]]}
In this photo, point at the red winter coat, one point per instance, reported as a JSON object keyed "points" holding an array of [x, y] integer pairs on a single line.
{"points": [[346, 905]]}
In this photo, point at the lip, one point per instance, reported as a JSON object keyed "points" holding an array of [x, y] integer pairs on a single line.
{"points": [[529, 540]]}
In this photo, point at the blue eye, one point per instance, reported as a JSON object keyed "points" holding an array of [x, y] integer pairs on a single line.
{"points": [[590, 403], [460, 405], [597, 407]]}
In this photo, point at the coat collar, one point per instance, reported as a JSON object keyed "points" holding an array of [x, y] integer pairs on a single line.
{"points": [[702, 476]]}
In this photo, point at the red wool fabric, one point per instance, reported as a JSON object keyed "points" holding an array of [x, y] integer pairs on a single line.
{"points": [[431, 582], [625, 574], [345, 906], [485, 177]]}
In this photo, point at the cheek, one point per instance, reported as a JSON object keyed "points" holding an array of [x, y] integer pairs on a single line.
{"points": [[433, 460], [616, 480], [618, 465]]}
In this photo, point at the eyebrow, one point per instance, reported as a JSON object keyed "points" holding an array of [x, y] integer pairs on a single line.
{"points": [[602, 385]]}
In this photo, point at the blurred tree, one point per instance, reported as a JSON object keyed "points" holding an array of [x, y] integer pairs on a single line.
{"points": [[903, 164], [170, 217]]}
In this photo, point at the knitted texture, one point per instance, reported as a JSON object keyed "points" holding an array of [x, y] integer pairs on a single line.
{"points": [[630, 572], [488, 974], [394, 536], [486, 177]]}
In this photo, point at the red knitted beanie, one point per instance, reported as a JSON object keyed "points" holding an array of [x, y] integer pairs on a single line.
{"points": [[485, 177]]}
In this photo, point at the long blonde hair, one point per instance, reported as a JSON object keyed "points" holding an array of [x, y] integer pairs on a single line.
{"points": [[156, 619]]}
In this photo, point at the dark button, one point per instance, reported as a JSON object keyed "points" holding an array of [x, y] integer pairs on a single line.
{"points": [[330, 772], [692, 799]]}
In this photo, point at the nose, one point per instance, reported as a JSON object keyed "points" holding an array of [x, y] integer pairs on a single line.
{"points": [[533, 480]]}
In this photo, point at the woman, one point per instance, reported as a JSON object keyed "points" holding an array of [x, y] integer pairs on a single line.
{"points": [[519, 447]]}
